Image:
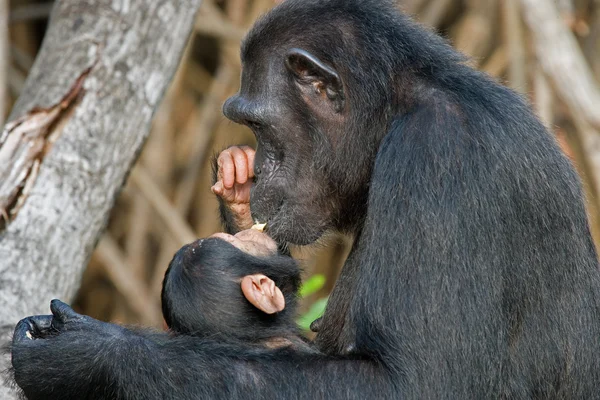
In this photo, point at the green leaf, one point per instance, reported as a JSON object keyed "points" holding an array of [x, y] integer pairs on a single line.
{"points": [[315, 311], [312, 285]]}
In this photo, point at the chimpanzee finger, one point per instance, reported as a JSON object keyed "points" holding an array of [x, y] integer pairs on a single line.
{"points": [[32, 327], [218, 188], [62, 312], [241, 164], [250, 153], [226, 171], [23, 330]]}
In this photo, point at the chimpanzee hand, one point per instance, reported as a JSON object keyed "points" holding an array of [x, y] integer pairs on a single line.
{"points": [[47, 350], [234, 180], [63, 319]]}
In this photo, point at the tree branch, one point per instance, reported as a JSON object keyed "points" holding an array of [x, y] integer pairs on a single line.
{"points": [[562, 60]]}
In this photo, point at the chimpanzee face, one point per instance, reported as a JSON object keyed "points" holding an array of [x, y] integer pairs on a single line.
{"points": [[294, 104]]}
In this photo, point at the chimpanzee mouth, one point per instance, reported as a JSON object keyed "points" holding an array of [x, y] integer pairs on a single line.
{"points": [[270, 220]]}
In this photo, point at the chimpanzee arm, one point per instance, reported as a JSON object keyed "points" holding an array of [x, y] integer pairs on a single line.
{"points": [[76, 357], [227, 219]]}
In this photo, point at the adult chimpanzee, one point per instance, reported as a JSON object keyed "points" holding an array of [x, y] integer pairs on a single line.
{"points": [[252, 299], [473, 273]]}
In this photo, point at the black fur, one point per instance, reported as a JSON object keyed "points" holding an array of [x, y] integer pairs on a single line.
{"points": [[473, 274], [201, 293]]}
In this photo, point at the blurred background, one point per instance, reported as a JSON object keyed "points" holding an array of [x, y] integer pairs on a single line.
{"points": [[167, 200]]}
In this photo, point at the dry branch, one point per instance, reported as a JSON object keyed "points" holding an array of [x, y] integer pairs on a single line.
{"points": [[121, 275], [435, 12], [562, 60], [123, 54], [212, 22], [172, 219], [513, 33]]}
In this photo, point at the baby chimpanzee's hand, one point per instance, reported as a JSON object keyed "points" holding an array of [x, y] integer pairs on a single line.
{"points": [[234, 180]]}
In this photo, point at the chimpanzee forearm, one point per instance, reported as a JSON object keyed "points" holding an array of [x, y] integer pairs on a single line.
{"points": [[228, 219], [217, 370], [137, 365]]}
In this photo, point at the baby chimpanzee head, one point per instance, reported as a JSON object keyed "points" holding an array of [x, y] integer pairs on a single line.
{"points": [[212, 288]]}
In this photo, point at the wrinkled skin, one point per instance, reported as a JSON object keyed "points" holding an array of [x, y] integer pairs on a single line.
{"points": [[250, 241]]}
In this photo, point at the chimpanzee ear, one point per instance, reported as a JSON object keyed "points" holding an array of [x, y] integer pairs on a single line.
{"points": [[262, 293], [309, 70]]}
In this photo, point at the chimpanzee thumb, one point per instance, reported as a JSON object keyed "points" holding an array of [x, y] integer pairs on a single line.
{"points": [[62, 312], [315, 326]]}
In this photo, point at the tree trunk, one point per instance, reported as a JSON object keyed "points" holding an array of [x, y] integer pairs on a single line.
{"points": [[4, 59], [72, 137]]}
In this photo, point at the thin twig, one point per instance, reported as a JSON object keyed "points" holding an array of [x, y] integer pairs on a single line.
{"points": [[435, 12], [544, 101], [120, 274], [166, 211], [474, 30], [21, 58], [496, 64], [16, 81], [513, 34], [210, 21]]}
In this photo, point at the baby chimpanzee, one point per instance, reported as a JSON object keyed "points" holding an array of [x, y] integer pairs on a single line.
{"points": [[252, 299]]}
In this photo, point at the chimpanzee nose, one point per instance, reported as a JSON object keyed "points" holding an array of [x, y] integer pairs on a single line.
{"points": [[243, 110], [231, 108]]}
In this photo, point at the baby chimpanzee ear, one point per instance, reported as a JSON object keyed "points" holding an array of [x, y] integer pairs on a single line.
{"points": [[262, 293]]}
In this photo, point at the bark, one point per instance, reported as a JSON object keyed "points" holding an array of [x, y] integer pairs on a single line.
{"points": [[72, 137], [3, 57]]}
